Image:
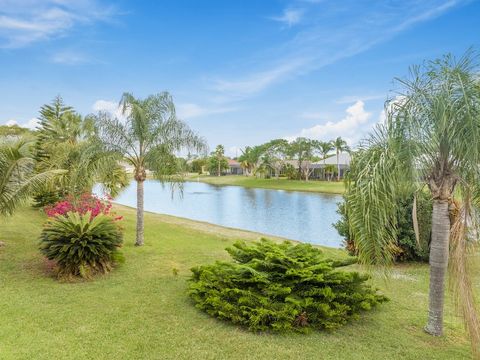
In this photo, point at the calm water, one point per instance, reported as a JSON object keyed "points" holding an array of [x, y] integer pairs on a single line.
{"points": [[300, 216]]}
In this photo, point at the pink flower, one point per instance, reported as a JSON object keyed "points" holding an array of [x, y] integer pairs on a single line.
{"points": [[85, 203]]}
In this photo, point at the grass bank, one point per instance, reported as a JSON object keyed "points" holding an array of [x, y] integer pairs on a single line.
{"points": [[140, 311], [331, 187]]}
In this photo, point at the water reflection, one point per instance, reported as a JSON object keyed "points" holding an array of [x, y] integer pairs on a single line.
{"points": [[300, 216]]}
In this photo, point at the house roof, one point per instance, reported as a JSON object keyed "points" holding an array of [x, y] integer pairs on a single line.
{"points": [[233, 163], [343, 159]]}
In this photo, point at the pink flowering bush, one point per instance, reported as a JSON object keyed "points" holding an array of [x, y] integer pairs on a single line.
{"points": [[85, 203]]}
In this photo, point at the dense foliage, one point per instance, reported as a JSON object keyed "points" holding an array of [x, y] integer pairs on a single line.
{"points": [[66, 140], [81, 245], [281, 287], [406, 248], [18, 179]]}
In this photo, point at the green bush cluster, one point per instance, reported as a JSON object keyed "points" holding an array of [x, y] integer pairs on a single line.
{"points": [[281, 287], [80, 245], [47, 197], [407, 248]]}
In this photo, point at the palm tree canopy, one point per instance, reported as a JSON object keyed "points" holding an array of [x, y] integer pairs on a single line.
{"points": [[340, 145], [150, 133], [324, 147], [431, 136]]}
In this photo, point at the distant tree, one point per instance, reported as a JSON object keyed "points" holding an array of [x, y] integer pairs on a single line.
{"points": [[14, 131], [198, 164], [303, 150], [217, 162], [274, 155], [148, 140], [324, 148], [250, 159], [220, 157], [330, 171], [340, 146]]}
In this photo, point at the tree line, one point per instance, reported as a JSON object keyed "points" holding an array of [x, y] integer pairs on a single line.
{"points": [[292, 159]]}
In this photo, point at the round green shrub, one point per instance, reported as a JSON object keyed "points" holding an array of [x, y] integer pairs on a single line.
{"points": [[281, 287], [81, 245]]}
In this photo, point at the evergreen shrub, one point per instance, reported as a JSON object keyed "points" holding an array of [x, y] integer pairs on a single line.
{"points": [[281, 287]]}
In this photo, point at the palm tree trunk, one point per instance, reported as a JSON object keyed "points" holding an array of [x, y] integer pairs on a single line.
{"points": [[438, 265], [139, 240]]}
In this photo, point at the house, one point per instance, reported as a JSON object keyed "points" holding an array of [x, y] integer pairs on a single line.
{"points": [[344, 160], [234, 167]]}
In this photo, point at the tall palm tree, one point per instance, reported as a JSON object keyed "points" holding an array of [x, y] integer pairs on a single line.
{"points": [[17, 177], [340, 146], [220, 155], [430, 138], [324, 148], [147, 139]]}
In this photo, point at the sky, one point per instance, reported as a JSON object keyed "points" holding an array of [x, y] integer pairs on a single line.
{"points": [[241, 72]]}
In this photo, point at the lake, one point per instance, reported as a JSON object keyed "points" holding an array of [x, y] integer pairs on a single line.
{"points": [[307, 217]]}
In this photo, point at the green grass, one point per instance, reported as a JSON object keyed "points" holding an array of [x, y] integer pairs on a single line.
{"points": [[332, 187], [141, 311]]}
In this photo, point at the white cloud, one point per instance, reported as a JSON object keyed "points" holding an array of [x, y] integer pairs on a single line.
{"points": [[190, 110], [398, 100], [351, 127], [258, 81], [289, 17], [29, 21], [319, 43], [109, 106], [30, 124]]}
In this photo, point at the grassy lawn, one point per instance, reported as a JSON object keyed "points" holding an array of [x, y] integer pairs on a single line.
{"points": [[140, 311], [332, 187]]}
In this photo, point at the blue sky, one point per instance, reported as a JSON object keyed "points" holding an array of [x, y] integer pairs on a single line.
{"points": [[241, 72]]}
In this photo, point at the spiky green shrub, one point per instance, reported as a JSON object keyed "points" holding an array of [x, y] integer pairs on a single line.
{"points": [[281, 287], [80, 245]]}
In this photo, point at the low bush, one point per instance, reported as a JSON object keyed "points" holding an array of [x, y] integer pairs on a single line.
{"points": [[81, 245], [281, 287], [407, 248]]}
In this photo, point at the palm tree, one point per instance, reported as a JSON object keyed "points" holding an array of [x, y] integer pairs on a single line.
{"points": [[147, 139], [430, 138], [17, 177], [250, 159], [65, 140], [324, 148], [220, 154], [340, 146]]}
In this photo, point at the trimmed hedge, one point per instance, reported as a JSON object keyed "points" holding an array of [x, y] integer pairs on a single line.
{"points": [[281, 287]]}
